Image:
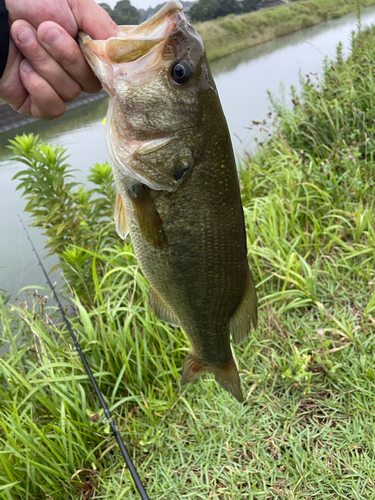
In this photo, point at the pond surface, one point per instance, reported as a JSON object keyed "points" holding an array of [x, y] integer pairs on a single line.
{"points": [[242, 80]]}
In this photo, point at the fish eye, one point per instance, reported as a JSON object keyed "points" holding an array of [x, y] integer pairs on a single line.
{"points": [[182, 71]]}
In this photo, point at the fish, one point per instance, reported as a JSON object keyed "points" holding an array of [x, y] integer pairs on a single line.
{"points": [[178, 193]]}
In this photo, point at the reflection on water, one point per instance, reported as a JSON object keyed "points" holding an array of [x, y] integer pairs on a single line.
{"points": [[73, 120], [242, 80]]}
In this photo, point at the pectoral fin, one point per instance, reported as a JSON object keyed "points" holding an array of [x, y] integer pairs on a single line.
{"points": [[120, 217], [148, 218], [161, 309], [246, 315], [227, 376]]}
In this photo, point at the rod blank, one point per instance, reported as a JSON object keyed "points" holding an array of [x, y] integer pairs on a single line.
{"points": [[107, 413]]}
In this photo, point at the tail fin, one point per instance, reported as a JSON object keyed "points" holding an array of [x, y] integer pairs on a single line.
{"points": [[227, 377]]}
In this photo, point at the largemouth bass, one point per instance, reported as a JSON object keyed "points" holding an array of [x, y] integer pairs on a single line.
{"points": [[177, 186]]}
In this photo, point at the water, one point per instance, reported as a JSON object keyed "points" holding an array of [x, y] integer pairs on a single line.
{"points": [[242, 80], [80, 130]]}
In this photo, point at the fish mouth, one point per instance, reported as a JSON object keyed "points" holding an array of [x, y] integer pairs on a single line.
{"points": [[144, 42]]}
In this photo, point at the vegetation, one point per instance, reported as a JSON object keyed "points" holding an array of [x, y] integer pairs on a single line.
{"points": [[250, 5], [307, 428], [226, 35], [204, 10], [123, 12], [68, 213], [147, 13]]}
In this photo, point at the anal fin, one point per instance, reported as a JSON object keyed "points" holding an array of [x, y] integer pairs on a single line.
{"points": [[120, 217], [161, 309], [227, 376], [246, 314]]}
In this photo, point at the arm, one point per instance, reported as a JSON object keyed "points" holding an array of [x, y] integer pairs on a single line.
{"points": [[45, 67]]}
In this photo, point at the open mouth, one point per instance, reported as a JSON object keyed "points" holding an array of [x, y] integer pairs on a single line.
{"points": [[133, 42], [132, 60]]}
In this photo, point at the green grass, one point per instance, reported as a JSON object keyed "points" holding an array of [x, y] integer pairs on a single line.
{"points": [[307, 429], [226, 35]]}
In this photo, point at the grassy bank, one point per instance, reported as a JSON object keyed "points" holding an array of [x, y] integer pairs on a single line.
{"points": [[307, 429], [227, 35]]}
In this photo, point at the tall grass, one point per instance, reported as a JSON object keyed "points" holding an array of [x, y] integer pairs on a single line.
{"points": [[307, 428], [226, 35], [54, 444]]}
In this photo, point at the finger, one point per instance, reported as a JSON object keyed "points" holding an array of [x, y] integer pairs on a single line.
{"points": [[24, 36], [11, 86], [37, 11], [43, 102], [61, 46]]}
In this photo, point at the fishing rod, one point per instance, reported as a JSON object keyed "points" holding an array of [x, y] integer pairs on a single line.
{"points": [[107, 413]]}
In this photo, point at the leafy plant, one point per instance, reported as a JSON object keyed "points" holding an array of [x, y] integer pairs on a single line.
{"points": [[70, 215]]}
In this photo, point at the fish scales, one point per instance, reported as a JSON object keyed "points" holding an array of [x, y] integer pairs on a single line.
{"points": [[199, 290], [178, 191]]}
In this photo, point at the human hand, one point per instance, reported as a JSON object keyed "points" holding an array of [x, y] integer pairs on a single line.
{"points": [[45, 67]]}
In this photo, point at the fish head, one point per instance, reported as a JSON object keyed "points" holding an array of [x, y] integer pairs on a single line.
{"points": [[159, 81]]}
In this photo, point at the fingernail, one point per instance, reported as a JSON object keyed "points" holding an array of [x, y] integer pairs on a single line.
{"points": [[26, 35], [51, 36], [26, 66]]}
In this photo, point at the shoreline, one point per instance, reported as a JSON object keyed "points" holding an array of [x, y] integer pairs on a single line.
{"points": [[227, 35], [10, 119]]}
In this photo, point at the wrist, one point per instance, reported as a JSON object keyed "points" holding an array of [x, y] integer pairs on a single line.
{"points": [[4, 37]]}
